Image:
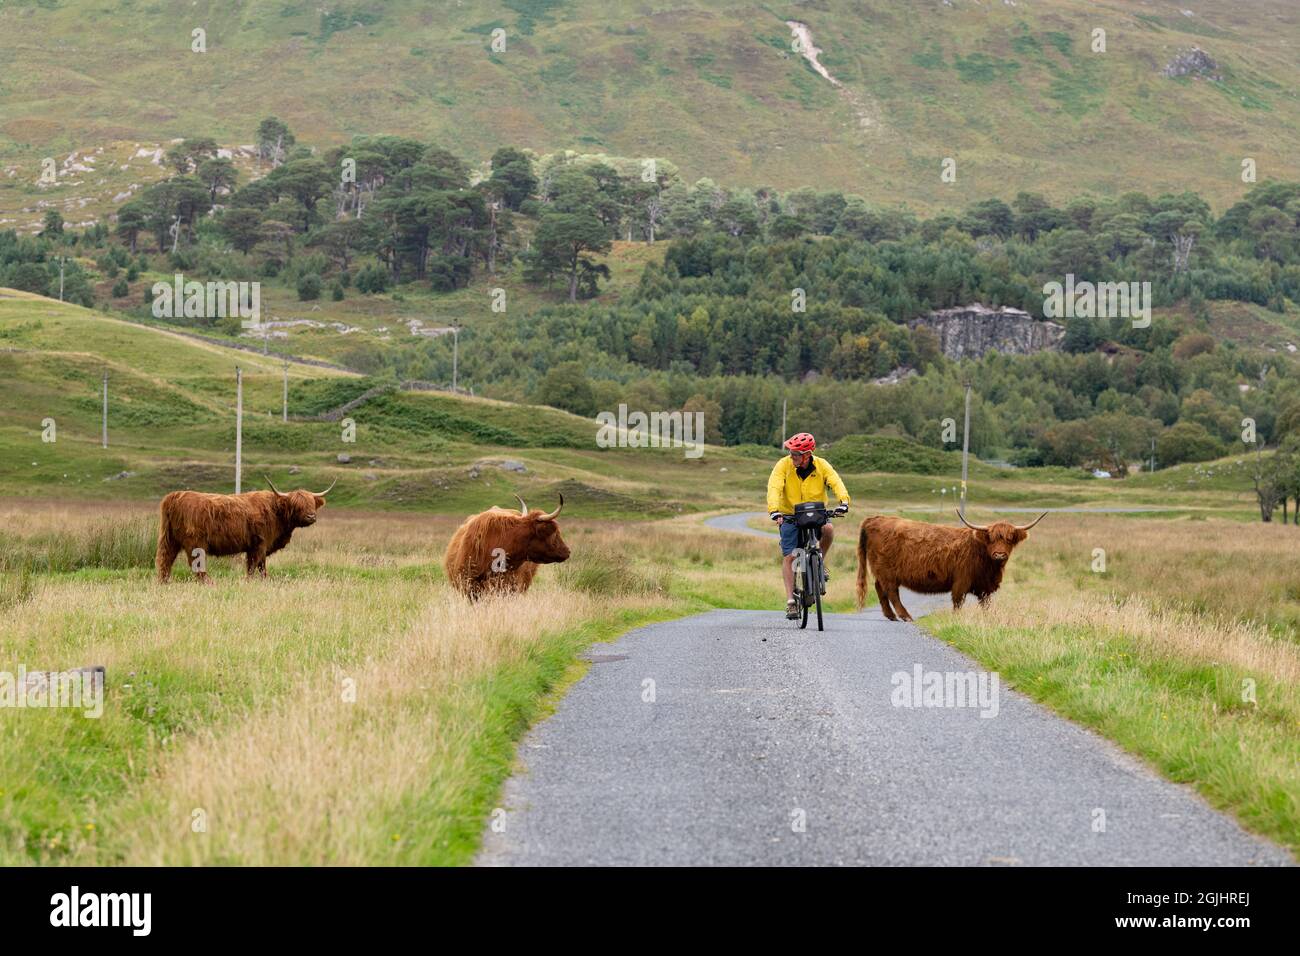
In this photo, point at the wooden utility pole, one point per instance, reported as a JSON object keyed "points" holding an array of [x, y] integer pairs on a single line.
{"points": [[455, 354], [780, 439], [284, 414], [105, 431], [965, 451], [239, 427]]}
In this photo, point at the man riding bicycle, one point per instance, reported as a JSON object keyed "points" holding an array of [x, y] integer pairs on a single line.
{"points": [[796, 478]]}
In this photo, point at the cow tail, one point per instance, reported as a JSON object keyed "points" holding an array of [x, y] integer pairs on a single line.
{"points": [[166, 546], [862, 565]]}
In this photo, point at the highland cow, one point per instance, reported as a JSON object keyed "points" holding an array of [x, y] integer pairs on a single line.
{"points": [[255, 524], [932, 559], [499, 550]]}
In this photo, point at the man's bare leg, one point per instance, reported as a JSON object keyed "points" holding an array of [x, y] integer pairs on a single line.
{"points": [[828, 536], [787, 572]]}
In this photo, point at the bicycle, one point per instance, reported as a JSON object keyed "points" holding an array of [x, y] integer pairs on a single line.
{"points": [[809, 565]]}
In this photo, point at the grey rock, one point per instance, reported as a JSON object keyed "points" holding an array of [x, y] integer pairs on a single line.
{"points": [[1193, 62], [344, 459], [970, 331], [894, 377]]}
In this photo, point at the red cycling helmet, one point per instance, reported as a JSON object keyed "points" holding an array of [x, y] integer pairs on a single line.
{"points": [[801, 442]]}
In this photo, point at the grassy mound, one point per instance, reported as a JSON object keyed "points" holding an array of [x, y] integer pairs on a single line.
{"points": [[891, 454]]}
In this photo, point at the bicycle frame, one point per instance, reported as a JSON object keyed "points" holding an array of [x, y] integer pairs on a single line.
{"points": [[808, 542], [808, 563]]}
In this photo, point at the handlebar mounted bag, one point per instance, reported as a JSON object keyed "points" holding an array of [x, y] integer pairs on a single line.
{"points": [[810, 514]]}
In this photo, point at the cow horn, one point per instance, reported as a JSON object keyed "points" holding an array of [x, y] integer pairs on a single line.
{"points": [[273, 488], [556, 512], [1034, 522], [973, 527], [523, 508], [329, 489]]}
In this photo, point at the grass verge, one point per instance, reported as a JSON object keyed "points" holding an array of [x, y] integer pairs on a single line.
{"points": [[1176, 669]]}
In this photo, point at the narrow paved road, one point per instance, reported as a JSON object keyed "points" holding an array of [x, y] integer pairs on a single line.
{"points": [[733, 738]]}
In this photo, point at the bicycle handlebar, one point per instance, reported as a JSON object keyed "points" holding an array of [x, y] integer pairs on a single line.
{"points": [[839, 509]]}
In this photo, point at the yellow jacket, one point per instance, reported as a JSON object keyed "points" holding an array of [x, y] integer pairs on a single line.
{"points": [[785, 488]]}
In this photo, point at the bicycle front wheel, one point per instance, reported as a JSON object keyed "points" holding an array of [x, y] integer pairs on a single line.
{"points": [[815, 572]]}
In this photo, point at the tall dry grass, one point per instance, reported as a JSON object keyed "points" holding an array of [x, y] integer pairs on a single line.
{"points": [[230, 700], [1157, 628], [1208, 566], [317, 779]]}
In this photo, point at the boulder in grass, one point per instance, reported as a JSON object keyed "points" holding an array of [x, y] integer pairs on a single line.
{"points": [[1193, 62], [41, 683]]}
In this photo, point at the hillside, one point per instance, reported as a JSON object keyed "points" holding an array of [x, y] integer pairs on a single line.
{"points": [[171, 425], [1013, 92]]}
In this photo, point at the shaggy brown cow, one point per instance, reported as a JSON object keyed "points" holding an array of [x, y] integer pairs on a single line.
{"points": [[931, 559], [500, 550], [254, 524]]}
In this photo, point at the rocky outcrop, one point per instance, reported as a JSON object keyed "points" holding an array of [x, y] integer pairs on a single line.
{"points": [[1193, 62], [899, 374], [968, 331]]}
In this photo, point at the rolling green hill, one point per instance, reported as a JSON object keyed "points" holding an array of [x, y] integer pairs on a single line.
{"points": [[1013, 93], [172, 425]]}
